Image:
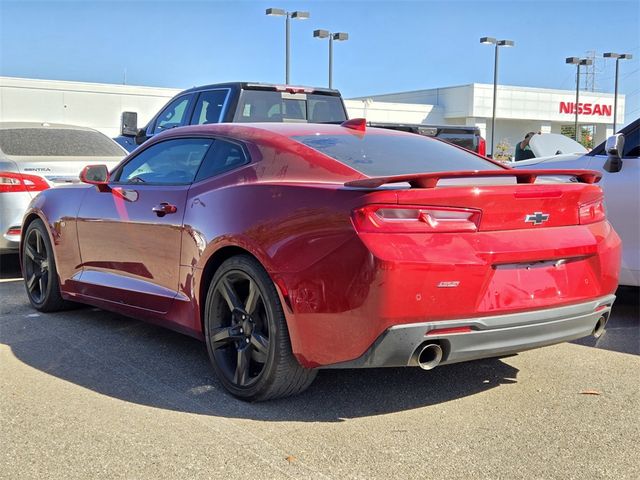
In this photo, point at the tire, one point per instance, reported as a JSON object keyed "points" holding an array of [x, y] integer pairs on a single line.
{"points": [[247, 336], [39, 270]]}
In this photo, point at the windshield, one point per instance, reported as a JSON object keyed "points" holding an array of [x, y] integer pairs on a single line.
{"points": [[384, 155], [267, 106], [57, 142]]}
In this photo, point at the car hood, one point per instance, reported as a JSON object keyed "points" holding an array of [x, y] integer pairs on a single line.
{"points": [[555, 159], [551, 144]]}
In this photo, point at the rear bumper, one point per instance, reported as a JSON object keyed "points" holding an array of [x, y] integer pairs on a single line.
{"points": [[490, 336], [14, 205]]}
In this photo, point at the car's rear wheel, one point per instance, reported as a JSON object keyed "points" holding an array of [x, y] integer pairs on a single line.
{"points": [[39, 270], [247, 336]]}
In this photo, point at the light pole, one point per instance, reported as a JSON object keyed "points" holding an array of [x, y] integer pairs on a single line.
{"points": [[577, 62], [498, 44], [297, 15], [618, 57], [339, 36]]}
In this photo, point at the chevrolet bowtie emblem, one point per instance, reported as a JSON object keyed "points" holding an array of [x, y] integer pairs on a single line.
{"points": [[537, 218]]}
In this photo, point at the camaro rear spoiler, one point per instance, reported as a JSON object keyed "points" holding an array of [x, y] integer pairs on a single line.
{"points": [[430, 180]]}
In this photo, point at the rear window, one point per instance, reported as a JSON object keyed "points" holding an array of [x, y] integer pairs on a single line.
{"points": [[57, 142], [385, 155], [266, 106]]}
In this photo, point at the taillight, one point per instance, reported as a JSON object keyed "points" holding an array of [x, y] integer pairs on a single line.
{"points": [[410, 219], [20, 182], [482, 147], [592, 212]]}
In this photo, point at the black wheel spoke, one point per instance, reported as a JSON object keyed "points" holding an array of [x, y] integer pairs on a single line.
{"points": [[252, 298], [260, 346], [33, 281], [38, 242], [221, 337], [229, 294], [242, 366], [30, 252]]}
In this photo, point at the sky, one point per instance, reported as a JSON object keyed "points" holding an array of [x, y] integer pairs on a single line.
{"points": [[393, 45]]}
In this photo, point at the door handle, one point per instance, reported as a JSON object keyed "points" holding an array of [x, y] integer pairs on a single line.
{"points": [[164, 208]]}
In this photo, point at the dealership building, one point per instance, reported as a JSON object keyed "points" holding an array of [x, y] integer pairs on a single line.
{"points": [[519, 109]]}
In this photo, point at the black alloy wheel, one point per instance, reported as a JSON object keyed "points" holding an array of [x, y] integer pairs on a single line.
{"points": [[240, 339], [39, 270], [247, 336], [36, 263]]}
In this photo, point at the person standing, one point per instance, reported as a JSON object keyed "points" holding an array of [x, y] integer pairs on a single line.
{"points": [[523, 150]]}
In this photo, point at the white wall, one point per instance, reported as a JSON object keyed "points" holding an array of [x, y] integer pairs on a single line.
{"points": [[527, 103], [394, 112], [454, 101], [92, 105]]}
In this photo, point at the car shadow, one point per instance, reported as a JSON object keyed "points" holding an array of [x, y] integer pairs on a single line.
{"points": [[9, 266], [144, 364]]}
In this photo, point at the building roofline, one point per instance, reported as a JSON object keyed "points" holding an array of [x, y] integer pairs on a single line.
{"points": [[489, 85]]}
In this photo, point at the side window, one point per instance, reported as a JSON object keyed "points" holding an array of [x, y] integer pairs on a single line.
{"points": [[173, 115], [221, 157], [209, 107], [166, 163], [632, 144]]}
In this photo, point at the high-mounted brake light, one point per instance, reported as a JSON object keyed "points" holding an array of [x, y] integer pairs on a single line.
{"points": [[359, 124], [11, 182], [592, 212], [410, 219], [290, 89]]}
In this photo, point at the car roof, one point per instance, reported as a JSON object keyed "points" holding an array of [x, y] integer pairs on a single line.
{"points": [[279, 128], [260, 86], [56, 126]]}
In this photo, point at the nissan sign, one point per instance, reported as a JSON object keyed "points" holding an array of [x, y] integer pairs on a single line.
{"points": [[586, 109]]}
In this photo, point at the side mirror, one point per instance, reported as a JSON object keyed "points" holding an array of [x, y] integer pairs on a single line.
{"points": [[97, 175], [614, 148], [141, 136], [129, 124]]}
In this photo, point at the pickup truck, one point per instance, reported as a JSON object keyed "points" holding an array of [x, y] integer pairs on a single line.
{"points": [[262, 102]]}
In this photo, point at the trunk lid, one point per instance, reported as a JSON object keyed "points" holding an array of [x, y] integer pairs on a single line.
{"points": [[507, 200]]}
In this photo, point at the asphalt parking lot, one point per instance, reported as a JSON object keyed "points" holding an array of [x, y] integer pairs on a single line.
{"points": [[89, 394]]}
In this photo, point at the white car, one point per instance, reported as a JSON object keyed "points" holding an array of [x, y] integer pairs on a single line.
{"points": [[618, 161], [37, 156]]}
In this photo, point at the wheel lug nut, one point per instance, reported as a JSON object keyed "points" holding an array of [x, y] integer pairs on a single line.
{"points": [[241, 330], [244, 317], [246, 340]]}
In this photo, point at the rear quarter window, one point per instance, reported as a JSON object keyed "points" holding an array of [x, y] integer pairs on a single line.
{"points": [[384, 155]]}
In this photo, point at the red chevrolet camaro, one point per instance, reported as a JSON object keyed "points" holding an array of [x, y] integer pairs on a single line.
{"points": [[293, 247]]}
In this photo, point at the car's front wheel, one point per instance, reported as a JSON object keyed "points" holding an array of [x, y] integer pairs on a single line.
{"points": [[39, 270], [247, 336]]}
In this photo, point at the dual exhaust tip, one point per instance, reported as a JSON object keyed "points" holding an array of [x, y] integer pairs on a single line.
{"points": [[598, 330], [429, 356]]}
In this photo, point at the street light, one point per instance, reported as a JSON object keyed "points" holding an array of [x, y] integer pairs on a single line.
{"points": [[340, 36], [577, 62], [497, 43], [297, 15], [618, 57]]}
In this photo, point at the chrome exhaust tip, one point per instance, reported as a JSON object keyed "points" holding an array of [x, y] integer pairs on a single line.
{"points": [[598, 331], [429, 356]]}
